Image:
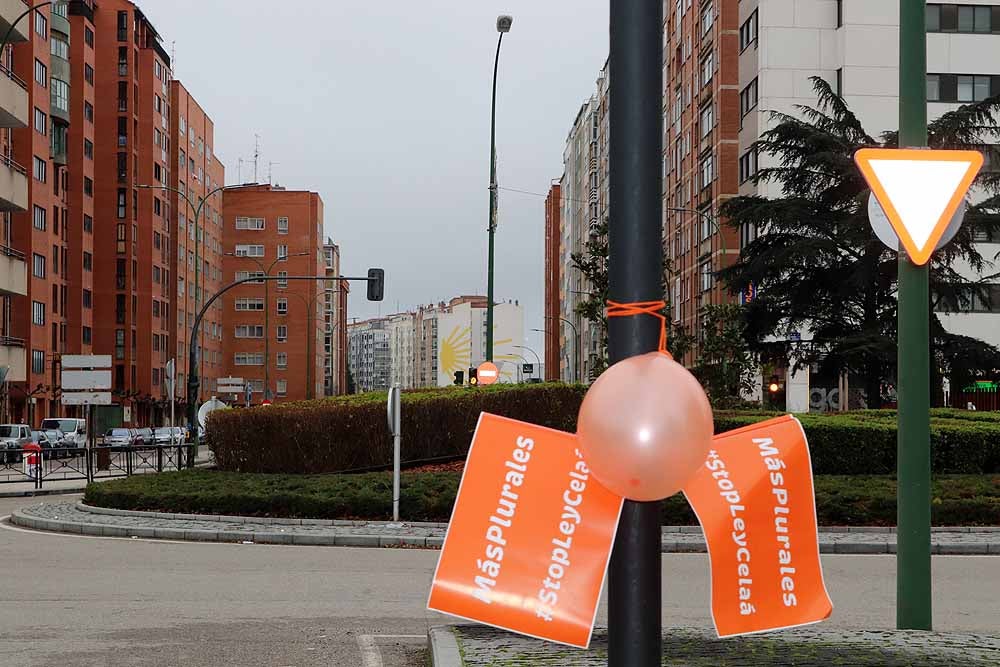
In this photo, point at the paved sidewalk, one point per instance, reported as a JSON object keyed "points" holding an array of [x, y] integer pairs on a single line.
{"points": [[71, 517], [478, 646]]}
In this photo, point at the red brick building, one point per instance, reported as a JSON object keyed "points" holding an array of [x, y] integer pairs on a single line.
{"points": [[133, 283], [198, 178], [701, 149], [552, 325], [274, 333]]}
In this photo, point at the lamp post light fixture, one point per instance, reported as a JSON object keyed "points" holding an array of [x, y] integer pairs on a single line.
{"points": [[504, 23]]}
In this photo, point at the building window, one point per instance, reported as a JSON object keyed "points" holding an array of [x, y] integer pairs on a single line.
{"points": [[707, 117], [88, 149], [282, 387], [282, 360], [707, 169], [40, 169], [38, 313], [38, 218], [249, 359], [41, 74], [250, 224], [748, 165], [243, 304], [973, 88], [88, 299], [282, 333], [88, 336], [88, 261], [250, 331], [157, 206], [282, 306], [88, 186], [249, 251], [282, 225], [59, 48], [88, 37], [244, 275], [41, 122], [707, 17], [707, 278], [933, 87], [748, 98], [707, 68], [119, 343], [282, 279], [38, 265], [38, 362], [748, 32], [88, 112], [282, 252]]}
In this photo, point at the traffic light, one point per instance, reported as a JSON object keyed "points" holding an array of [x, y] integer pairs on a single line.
{"points": [[376, 284], [459, 378], [774, 387], [473, 377]]}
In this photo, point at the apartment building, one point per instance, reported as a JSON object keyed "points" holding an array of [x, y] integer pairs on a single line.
{"points": [[335, 331], [554, 350], [275, 330], [368, 356], [401, 331], [15, 240], [196, 179]]}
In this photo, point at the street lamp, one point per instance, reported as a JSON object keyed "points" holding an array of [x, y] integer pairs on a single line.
{"points": [[198, 288], [504, 23], [576, 335], [267, 312], [538, 360]]}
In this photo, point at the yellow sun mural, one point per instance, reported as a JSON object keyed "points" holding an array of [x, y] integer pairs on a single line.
{"points": [[456, 351]]}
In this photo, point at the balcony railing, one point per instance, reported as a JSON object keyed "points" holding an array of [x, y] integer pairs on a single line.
{"points": [[9, 341], [10, 252], [7, 162], [13, 77]]}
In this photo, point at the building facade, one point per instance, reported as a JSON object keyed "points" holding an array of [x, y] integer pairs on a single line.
{"points": [[368, 355], [401, 331], [274, 330], [553, 322], [196, 182], [335, 319]]}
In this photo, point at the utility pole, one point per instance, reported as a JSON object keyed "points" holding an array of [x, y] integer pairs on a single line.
{"points": [[634, 273], [256, 155], [913, 559]]}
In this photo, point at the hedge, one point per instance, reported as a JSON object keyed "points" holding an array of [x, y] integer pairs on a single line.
{"points": [[350, 433], [840, 500]]}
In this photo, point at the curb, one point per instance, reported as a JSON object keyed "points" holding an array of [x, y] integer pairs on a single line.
{"points": [[443, 647], [42, 492], [277, 534]]}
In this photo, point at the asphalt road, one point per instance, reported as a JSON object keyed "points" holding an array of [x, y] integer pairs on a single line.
{"points": [[77, 601]]}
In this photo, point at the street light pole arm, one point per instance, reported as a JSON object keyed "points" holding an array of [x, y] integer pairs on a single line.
{"points": [[10, 30]]}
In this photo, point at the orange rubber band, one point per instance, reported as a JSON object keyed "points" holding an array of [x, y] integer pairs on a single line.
{"points": [[643, 308]]}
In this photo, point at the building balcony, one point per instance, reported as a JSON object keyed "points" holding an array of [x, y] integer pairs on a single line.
{"points": [[13, 99], [13, 355], [13, 272], [13, 185], [9, 11]]}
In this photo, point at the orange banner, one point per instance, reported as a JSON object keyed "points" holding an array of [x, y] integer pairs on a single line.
{"points": [[755, 501], [530, 536]]}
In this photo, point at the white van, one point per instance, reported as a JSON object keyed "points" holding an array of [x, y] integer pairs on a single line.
{"points": [[74, 430]]}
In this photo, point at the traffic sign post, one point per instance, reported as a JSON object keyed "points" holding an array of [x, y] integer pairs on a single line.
{"points": [[487, 373]]}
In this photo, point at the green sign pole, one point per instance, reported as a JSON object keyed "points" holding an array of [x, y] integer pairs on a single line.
{"points": [[913, 559]]}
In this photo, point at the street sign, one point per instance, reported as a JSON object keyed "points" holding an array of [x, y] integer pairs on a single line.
{"points": [[86, 398], [527, 369], [488, 373], [209, 406], [920, 191], [887, 235], [748, 295], [86, 361], [170, 376], [231, 385], [86, 380]]}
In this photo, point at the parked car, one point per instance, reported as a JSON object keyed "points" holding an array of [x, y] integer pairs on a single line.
{"points": [[119, 437], [74, 430], [144, 436], [162, 435], [13, 436], [49, 441]]}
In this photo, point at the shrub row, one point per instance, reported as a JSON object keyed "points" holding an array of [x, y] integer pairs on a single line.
{"points": [[349, 433], [840, 500]]}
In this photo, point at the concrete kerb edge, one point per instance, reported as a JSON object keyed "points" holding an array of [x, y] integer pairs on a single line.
{"points": [[443, 647]]}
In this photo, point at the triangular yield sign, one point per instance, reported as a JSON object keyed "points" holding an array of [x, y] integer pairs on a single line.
{"points": [[919, 190]]}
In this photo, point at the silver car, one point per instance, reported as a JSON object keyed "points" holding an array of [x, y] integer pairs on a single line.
{"points": [[119, 437], [13, 436]]}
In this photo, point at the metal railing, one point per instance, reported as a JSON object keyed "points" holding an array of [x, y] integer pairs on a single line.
{"points": [[57, 464], [13, 77], [10, 252], [10, 341], [8, 162]]}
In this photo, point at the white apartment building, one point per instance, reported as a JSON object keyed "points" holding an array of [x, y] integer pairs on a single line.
{"points": [[854, 44], [401, 330], [368, 355]]}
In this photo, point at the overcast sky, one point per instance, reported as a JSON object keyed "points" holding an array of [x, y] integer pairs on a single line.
{"points": [[384, 108]]}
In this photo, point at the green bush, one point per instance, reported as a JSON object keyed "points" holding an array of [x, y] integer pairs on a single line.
{"points": [[349, 433], [960, 500]]}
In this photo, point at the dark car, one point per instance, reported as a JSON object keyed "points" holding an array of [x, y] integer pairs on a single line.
{"points": [[144, 436], [49, 441]]}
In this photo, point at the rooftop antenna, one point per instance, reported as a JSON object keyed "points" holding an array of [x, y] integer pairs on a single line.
{"points": [[239, 171], [173, 57], [256, 155]]}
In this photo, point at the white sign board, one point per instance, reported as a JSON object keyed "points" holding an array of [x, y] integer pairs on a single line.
{"points": [[87, 398], [86, 380], [86, 361]]}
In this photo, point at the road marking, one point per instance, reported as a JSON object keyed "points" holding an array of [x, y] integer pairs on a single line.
{"points": [[371, 656]]}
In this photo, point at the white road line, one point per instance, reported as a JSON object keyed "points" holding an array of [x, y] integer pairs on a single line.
{"points": [[370, 655]]}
